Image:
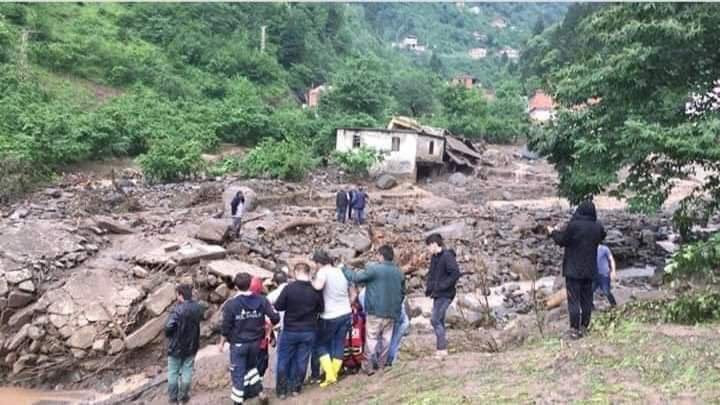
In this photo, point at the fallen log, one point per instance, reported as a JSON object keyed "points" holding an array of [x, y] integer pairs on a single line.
{"points": [[305, 221]]}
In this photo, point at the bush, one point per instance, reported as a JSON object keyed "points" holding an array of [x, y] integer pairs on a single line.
{"points": [[225, 166], [700, 260], [357, 162], [288, 159], [171, 159]]}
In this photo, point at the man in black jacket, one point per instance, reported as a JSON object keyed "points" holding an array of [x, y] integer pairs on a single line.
{"points": [[243, 326], [183, 332], [342, 202], [442, 277], [580, 239], [302, 305]]}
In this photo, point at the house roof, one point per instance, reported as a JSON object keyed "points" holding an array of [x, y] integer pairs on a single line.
{"points": [[541, 101], [391, 131]]}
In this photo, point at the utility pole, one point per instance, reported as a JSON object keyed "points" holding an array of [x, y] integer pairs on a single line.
{"points": [[262, 38]]}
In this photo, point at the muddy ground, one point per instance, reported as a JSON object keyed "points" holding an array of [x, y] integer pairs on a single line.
{"points": [[88, 265]]}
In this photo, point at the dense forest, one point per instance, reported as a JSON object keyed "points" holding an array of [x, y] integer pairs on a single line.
{"points": [[167, 82]]}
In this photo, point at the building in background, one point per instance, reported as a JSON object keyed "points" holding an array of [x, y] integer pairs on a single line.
{"points": [[541, 107]]}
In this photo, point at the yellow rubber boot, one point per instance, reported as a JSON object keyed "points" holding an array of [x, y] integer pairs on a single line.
{"points": [[337, 366], [329, 368]]}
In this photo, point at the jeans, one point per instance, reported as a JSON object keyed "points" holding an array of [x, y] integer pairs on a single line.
{"points": [[315, 358], [579, 299], [293, 355], [333, 334], [236, 225], [603, 283], [180, 372], [399, 329], [437, 320], [246, 381], [359, 215], [342, 214], [263, 361], [377, 341]]}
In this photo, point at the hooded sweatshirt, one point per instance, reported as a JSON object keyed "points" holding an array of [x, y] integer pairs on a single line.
{"points": [[580, 239]]}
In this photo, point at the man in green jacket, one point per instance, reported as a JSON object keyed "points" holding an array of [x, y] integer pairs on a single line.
{"points": [[384, 292]]}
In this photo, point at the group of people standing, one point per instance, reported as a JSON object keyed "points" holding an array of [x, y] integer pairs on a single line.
{"points": [[314, 316], [351, 205]]}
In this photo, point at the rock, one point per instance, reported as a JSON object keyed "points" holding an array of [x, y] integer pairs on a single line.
{"points": [[98, 312], [78, 353], [171, 247], [220, 294], [229, 194], [386, 182], [35, 333], [359, 242], [139, 272], [648, 237], [435, 204], [668, 246], [4, 289], [18, 338], [18, 299], [215, 231], [27, 286], [145, 334], [341, 253], [420, 306], [82, 338], [230, 268], [22, 316], [99, 345], [18, 276], [65, 332], [116, 346], [58, 321], [523, 268], [194, 254], [53, 192], [158, 301], [20, 213], [456, 230], [112, 226], [457, 179]]}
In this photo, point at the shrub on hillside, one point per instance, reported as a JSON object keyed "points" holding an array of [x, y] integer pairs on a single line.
{"points": [[171, 159], [287, 159], [357, 162]]}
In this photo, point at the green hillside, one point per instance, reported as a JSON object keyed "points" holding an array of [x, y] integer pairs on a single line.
{"points": [[166, 82]]}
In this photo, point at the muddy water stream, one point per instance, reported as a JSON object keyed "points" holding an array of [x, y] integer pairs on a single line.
{"points": [[22, 396]]}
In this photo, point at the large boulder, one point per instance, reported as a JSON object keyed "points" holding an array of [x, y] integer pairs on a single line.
{"points": [[230, 268], [18, 299], [160, 299], [386, 182], [229, 193], [357, 241], [215, 231]]}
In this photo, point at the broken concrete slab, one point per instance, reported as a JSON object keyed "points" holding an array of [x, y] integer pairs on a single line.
{"points": [[145, 334], [160, 299], [194, 254], [230, 268], [216, 231]]}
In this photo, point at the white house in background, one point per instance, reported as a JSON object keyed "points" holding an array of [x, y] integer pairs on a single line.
{"points": [[404, 151], [475, 10], [511, 53], [477, 53]]}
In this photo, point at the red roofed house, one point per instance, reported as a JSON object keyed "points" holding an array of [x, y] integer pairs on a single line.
{"points": [[541, 107]]}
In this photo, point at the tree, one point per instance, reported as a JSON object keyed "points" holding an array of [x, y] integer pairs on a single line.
{"points": [[436, 64], [361, 86], [414, 91], [464, 111], [642, 62], [539, 26], [292, 39]]}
